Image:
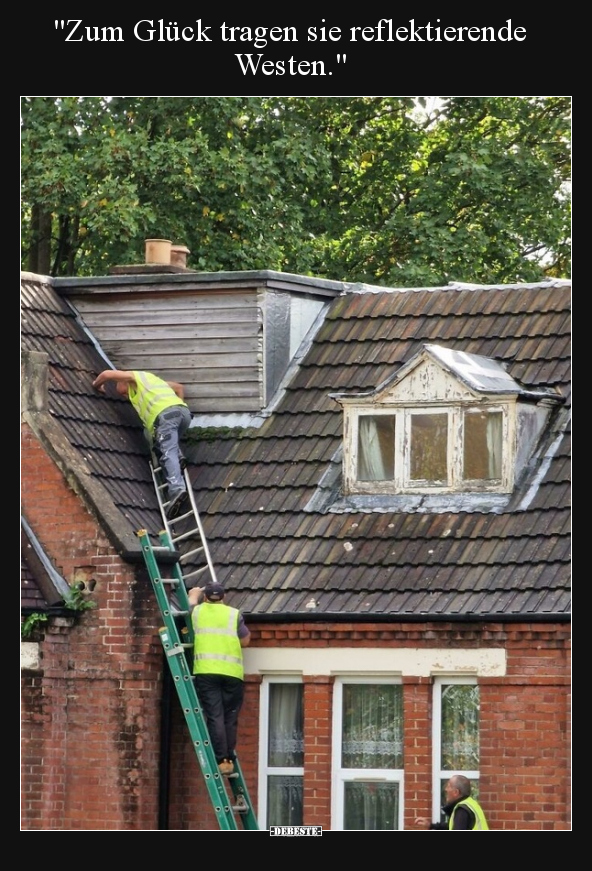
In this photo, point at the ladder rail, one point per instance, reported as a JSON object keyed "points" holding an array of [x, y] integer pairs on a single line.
{"points": [[202, 535]]}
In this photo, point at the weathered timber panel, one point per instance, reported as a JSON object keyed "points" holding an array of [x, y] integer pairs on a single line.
{"points": [[190, 299], [211, 344], [166, 332]]}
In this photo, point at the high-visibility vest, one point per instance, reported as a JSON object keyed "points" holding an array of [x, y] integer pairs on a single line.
{"points": [[480, 821], [150, 395], [216, 648]]}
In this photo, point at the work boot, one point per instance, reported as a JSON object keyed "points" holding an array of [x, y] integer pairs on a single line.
{"points": [[176, 503], [226, 767]]}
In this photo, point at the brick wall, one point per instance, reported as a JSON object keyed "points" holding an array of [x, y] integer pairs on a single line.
{"points": [[525, 738], [91, 716]]}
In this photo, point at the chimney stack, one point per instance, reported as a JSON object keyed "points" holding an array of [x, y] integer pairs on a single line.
{"points": [[161, 257]]}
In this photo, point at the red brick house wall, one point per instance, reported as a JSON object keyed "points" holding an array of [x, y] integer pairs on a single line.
{"points": [[525, 737], [91, 715]]}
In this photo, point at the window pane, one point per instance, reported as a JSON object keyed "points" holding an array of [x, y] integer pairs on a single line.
{"points": [[371, 806], [483, 445], [428, 450], [460, 727], [376, 447], [284, 801], [286, 739], [372, 726]]}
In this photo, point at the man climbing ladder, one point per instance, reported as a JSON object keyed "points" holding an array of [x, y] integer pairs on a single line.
{"points": [[220, 633], [166, 417]]}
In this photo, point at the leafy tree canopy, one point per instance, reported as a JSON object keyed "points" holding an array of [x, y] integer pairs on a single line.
{"points": [[394, 191]]}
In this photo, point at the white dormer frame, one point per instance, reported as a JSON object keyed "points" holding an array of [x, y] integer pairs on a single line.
{"points": [[440, 389], [452, 479]]}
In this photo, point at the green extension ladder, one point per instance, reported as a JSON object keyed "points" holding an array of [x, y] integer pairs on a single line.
{"points": [[187, 549]]}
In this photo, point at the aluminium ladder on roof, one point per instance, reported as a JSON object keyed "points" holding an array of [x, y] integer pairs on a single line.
{"points": [[178, 550]]}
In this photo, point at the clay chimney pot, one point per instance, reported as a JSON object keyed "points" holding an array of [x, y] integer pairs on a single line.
{"points": [[158, 251], [179, 255]]}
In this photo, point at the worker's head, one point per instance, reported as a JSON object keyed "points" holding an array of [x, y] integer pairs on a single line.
{"points": [[457, 787], [122, 388], [214, 592]]}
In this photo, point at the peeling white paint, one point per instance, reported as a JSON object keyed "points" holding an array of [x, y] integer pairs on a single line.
{"points": [[30, 655], [484, 662]]}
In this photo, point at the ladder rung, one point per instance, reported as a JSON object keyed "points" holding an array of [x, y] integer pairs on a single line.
{"points": [[185, 556], [197, 572], [194, 572], [241, 805], [189, 534], [179, 517]]}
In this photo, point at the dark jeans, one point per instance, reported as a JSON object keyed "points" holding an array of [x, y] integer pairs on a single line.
{"points": [[169, 426], [221, 698]]}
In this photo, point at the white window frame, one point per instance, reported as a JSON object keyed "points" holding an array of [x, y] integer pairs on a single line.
{"points": [[265, 771], [340, 776], [402, 484], [438, 773]]}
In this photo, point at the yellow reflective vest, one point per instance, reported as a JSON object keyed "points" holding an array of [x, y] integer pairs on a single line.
{"points": [[150, 395], [216, 648], [480, 821]]}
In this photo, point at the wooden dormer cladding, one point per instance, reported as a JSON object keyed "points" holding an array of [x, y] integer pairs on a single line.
{"points": [[227, 337]]}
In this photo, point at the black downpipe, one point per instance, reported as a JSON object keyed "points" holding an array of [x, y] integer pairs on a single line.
{"points": [[164, 778]]}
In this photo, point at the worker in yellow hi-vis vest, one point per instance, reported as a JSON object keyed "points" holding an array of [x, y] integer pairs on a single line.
{"points": [[462, 810], [220, 633], [166, 417]]}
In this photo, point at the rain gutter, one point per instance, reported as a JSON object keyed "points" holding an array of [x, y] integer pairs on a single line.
{"points": [[340, 617]]}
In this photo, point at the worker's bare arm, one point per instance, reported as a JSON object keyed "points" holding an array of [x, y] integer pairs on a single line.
{"points": [[113, 375], [178, 388]]}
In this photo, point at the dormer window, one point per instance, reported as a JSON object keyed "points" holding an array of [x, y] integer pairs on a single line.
{"points": [[447, 422], [417, 450]]}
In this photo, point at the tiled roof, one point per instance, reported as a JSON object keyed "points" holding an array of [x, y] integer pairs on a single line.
{"points": [[104, 431], [255, 493]]}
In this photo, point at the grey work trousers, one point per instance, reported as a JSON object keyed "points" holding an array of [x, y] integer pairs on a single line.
{"points": [[170, 425]]}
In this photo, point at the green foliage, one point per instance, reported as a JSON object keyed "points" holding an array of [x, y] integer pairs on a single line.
{"points": [[77, 601], [395, 191], [74, 601], [31, 623]]}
